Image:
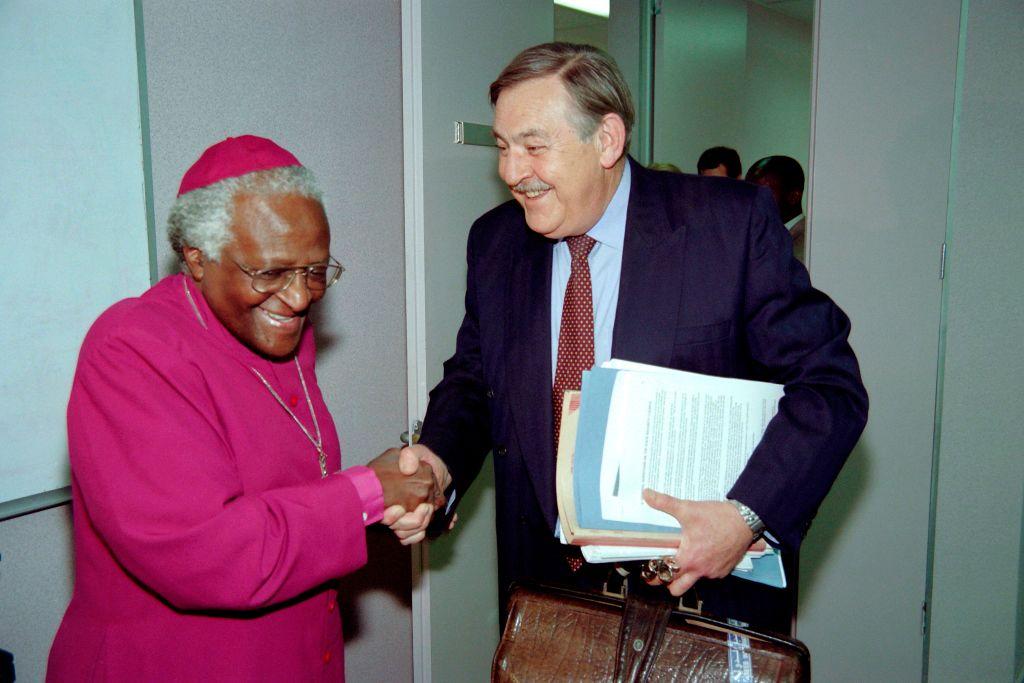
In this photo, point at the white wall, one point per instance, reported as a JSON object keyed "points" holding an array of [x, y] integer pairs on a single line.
{"points": [[777, 104], [72, 174], [730, 72]]}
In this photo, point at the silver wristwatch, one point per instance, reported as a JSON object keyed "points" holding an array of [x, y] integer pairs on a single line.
{"points": [[750, 517]]}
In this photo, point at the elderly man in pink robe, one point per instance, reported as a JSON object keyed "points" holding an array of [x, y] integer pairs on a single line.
{"points": [[211, 513]]}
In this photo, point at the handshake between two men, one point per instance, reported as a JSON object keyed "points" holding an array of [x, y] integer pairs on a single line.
{"points": [[413, 484]]}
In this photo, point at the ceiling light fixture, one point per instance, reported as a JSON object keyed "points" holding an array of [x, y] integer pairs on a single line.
{"points": [[596, 7]]}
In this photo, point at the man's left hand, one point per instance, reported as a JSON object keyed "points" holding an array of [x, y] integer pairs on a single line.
{"points": [[713, 541], [409, 527]]}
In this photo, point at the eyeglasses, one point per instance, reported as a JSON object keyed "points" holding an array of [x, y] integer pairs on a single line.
{"points": [[272, 280]]}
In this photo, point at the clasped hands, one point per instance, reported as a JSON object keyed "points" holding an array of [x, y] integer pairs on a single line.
{"points": [[414, 481]]}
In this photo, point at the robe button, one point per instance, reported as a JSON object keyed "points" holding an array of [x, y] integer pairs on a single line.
{"points": [[293, 400], [490, 393], [327, 657], [501, 450], [331, 605]]}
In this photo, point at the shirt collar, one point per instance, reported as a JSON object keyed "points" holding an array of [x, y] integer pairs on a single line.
{"points": [[791, 223], [610, 230]]}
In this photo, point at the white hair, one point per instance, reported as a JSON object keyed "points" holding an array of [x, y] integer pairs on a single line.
{"points": [[202, 218]]}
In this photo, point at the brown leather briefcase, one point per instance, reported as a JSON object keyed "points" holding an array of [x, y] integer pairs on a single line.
{"points": [[556, 634]]}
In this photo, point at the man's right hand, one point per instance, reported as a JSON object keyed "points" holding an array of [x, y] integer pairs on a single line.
{"points": [[423, 454], [411, 527], [713, 539], [407, 483]]}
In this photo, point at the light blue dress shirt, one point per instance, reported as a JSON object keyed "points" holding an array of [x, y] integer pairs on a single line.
{"points": [[605, 261]]}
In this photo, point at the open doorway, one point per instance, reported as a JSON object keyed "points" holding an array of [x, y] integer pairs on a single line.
{"points": [[712, 73], [736, 74]]}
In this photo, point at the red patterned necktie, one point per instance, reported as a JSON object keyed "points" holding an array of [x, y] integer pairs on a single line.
{"points": [[576, 333]]}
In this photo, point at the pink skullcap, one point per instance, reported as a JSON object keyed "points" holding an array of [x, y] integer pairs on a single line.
{"points": [[234, 157]]}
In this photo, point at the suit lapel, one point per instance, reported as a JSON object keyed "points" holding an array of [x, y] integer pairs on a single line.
{"points": [[652, 279], [529, 372]]}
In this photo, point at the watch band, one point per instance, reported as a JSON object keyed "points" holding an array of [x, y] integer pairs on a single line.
{"points": [[754, 522]]}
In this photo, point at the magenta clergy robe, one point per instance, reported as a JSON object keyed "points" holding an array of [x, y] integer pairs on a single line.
{"points": [[206, 542]]}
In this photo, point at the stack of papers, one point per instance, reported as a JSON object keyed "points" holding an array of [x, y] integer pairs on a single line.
{"points": [[636, 426]]}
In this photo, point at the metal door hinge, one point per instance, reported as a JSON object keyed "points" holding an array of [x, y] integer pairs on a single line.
{"points": [[942, 262], [924, 618], [473, 134]]}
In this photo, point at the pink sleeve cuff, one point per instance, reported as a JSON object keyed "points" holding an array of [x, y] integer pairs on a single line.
{"points": [[370, 492]]}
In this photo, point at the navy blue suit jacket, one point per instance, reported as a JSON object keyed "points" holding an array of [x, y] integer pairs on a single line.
{"points": [[708, 284]]}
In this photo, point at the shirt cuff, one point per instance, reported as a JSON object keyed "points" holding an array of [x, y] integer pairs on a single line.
{"points": [[371, 493]]}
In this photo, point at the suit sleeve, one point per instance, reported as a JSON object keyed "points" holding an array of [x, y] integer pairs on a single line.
{"points": [[796, 336], [157, 481], [457, 424]]}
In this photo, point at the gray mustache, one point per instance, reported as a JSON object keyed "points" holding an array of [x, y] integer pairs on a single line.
{"points": [[531, 187]]}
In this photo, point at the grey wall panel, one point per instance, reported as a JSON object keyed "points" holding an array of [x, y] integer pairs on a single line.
{"points": [[879, 172], [324, 80], [465, 44], [36, 566], [977, 582], [1019, 638], [624, 45]]}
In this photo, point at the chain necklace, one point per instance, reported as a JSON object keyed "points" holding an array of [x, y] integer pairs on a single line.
{"points": [[318, 441]]}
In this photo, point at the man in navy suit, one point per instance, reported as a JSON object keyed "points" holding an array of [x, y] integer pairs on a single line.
{"points": [[685, 272]]}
